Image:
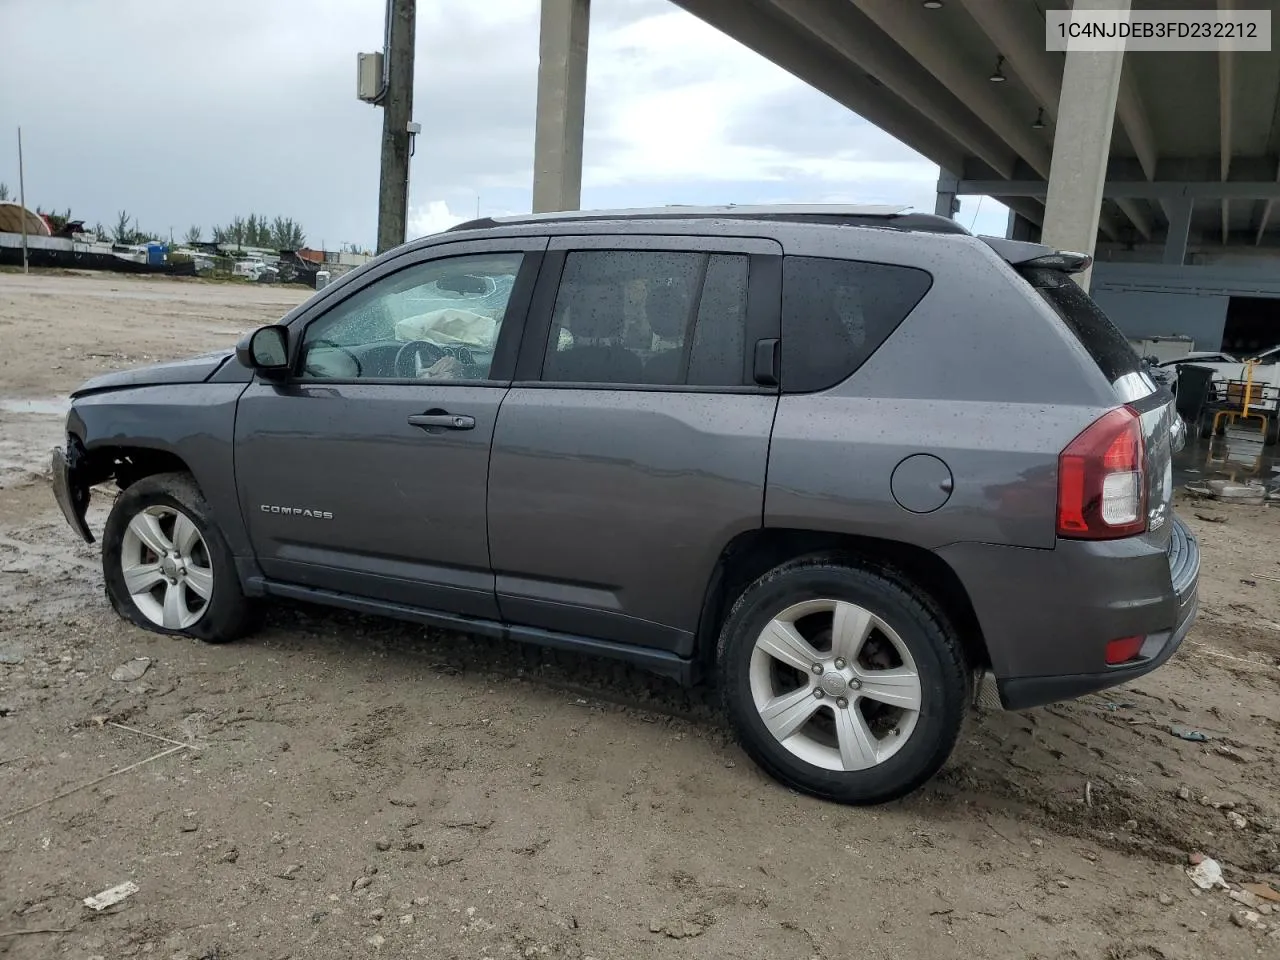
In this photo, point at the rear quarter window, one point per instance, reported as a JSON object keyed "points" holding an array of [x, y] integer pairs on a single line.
{"points": [[1101, 338], [837, 313]]}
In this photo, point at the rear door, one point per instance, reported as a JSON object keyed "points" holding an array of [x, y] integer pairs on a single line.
{"points": [[633, 443]]}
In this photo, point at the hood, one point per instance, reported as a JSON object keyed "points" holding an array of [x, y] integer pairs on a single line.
{"points": [[191, 370]]}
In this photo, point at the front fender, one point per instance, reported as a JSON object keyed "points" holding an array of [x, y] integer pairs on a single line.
{"points": [[190, 423]]}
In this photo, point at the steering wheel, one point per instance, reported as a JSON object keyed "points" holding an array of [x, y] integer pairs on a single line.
{"points": [[415, 356], [321, 342]]}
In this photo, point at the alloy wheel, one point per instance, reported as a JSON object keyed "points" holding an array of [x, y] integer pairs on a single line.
{"points": [[166, 566], [835, 684]]}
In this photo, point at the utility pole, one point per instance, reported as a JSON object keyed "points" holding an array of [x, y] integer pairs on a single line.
{"points": [[397, 114], [22, 199]]}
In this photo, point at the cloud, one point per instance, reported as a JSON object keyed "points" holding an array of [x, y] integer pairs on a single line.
{"points": [[433, 216], [195, 112]]}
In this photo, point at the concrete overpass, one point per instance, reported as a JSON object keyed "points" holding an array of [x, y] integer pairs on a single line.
{"points": [[1169, 158]]}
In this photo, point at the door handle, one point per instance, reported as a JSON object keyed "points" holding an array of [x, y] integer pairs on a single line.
{"points": [[766, 362], [448, 421]]}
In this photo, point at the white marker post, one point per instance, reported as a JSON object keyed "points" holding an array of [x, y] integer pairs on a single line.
{"points": [[22, 199]]}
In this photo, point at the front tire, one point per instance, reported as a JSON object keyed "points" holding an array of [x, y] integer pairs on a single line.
{"points": [[842, 682], [166, 565]]}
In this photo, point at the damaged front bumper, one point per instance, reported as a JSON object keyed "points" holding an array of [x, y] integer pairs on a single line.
{"points": [[71, 486]]}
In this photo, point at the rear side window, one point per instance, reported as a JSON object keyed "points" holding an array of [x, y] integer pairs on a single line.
{"points": [[1113, 354], [665, 318], [836, 313]]}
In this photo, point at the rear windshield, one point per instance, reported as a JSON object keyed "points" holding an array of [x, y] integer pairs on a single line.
{"points": [[1113, 354]]}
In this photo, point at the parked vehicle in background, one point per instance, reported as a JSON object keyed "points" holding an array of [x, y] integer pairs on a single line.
{"points": [[771, 447], [1163, 349]]}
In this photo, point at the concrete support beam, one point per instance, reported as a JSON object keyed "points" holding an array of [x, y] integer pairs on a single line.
{"points": [[1263, 220], [1133, 117], [1226, 82], [1265, 216], [1086, 113], [856, 38], [947, 203], [1032, 211], [1140, 221], [1161, 190], [934, 49], [562, 99], [1175, 242], [1017, 30], [1020, 228]]}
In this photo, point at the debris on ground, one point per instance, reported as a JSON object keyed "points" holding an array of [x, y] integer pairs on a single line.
{"points": [[1230, 754], [111, 896], [1262, 890], [1184, 793], [1208, 519], [11, 655], [677, 929], [1248, 919], [1229, 491], [1250, 900], [1185, 733], [1207, 874], [1236, 820], [131, 670]]}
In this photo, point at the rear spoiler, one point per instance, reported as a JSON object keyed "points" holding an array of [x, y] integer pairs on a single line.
{"points": [[1023, 255]]}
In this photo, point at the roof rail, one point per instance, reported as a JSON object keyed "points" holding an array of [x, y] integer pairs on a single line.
{"points": [[861, 215]]}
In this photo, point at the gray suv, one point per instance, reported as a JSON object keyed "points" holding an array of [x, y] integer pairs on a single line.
{"points": [[851, 463]]}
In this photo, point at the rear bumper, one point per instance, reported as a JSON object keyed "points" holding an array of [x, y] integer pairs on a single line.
{"points": [[70, 488], [1047, 615], [1019, 693]]}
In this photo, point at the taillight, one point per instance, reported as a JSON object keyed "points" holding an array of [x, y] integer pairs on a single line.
{"points": [[1102, 490]]}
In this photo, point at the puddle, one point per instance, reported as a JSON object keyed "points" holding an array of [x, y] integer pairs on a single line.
{"points": [[45, 408], [1224, 458]]}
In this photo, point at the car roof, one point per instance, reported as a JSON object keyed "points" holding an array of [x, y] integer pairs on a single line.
{"points": [[862, 215]]}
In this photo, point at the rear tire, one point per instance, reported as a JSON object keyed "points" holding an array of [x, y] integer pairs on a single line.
{"points": [[166, 565], [879, 720]]}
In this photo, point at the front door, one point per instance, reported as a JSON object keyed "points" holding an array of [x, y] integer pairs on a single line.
{"points": [[366, 471]]}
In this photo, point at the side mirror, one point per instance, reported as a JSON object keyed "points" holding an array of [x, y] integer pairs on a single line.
{"points": [[266, 350]]}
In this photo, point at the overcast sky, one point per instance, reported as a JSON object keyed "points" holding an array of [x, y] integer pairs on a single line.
{"points": [[193, 112]]}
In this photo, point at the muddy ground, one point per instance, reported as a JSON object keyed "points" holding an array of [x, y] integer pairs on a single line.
{"points": [[355, 787]]}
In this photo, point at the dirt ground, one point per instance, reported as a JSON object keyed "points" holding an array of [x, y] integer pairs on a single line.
{"points": [[352, 787]]}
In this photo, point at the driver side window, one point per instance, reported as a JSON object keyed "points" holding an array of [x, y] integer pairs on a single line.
{"points": [[432, 321]]}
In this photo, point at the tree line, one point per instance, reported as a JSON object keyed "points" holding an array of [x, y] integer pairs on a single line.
{"points": [[255, 230]]}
